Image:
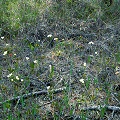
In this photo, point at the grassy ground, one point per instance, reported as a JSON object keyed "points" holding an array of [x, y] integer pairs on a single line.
{"points": [[62, 65]]}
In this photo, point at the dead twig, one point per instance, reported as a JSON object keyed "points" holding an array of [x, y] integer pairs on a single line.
{"points": [[32, 94], [110, 108]]}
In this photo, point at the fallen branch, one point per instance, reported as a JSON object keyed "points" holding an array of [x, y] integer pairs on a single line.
{"points": [[32, 94], [98, 108], [45, 92]]}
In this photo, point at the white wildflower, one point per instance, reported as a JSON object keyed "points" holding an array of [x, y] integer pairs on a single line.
{"points": [[96, 53], [9, 75], [22, 80], [38, 40], [50, 67], [84, 64], [7, 44], [27, 58], [12, 80], [17, 78], [5, 53], [35, 61], [112, 36], [91, 43], [48, 87], [91, 56], [82, 80], [15, 54], [49, 35], [2, 37], [56, 39]]}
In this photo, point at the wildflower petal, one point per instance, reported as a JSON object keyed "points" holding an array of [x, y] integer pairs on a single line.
{"points": [[9, 75], [5, 53], [27, 58], [17, 77], [56, 39], [82, 80], [35, 61], [49, 35], [48, 87], [84, 64], [91, 43], [2, 37]]}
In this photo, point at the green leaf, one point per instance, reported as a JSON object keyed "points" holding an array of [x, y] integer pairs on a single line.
{"points": [[32, 65], [51, 71], [89, 59], [117, 55], [102, 111], [95, 80], [87, 83], [31, 46]]}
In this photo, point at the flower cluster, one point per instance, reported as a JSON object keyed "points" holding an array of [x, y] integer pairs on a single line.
{"points": [[12, 77]]}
